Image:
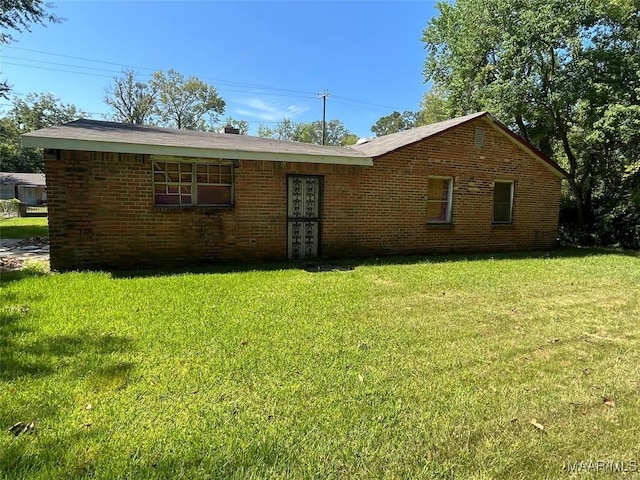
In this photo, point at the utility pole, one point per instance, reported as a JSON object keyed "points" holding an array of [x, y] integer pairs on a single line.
{"points": [[324, 96]]}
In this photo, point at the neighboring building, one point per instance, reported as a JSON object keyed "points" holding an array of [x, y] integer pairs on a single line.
{"points": [[29, 188], [123, 195]]}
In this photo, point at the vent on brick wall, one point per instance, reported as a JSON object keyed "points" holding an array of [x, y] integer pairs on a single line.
{"points": [[478, 139]]}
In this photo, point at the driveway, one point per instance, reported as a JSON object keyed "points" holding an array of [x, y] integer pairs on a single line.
{"points": [[16, 252]]}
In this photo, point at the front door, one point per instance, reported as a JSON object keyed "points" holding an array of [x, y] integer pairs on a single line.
{"points": [[304, 194]]}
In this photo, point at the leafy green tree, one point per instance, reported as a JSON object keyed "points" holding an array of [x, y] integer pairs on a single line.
{"points": [[284, 130], [433, 108], [19, 15], [185, 103], [32, 113], [335, 132], [395, 122], [564, 73], [131, 100], [349, 139]]}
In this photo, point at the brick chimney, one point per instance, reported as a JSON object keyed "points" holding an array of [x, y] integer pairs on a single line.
{"points": [[233, 130]]}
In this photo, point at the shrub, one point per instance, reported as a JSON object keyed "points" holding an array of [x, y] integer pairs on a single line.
{"points": [[10, 208]]}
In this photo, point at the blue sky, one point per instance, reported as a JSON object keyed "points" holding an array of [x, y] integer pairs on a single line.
{"points": [[268, 60]]}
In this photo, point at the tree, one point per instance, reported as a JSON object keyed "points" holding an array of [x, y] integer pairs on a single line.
{"points": [[395, 122], [184, 102], [32, 113], [433, 108], [563, 73], [19, 15], [285, 130], [132, 100], [335, 132]]}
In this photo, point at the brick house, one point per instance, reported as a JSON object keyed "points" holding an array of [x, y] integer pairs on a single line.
{"points": [[125, 195], [29, 188]]}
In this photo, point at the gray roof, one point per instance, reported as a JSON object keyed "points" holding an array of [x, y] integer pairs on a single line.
{"points": [[388, 143], [97, 135], [94, 135], [28, 179]]}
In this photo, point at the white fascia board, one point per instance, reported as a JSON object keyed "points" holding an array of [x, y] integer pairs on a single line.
{"points": [[177, 151]]}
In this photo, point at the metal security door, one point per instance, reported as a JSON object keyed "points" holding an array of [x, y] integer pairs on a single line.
{"points": [[303, 216]]}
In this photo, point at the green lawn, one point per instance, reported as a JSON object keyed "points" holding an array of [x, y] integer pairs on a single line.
{"points": [[423, 368], [23, 227]]}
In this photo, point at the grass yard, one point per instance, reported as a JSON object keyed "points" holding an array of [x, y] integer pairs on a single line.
{"points": [[23, 227], [424, 368]]}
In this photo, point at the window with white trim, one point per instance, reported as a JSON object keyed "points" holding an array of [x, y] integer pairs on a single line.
{"points": [[181, 184], [439, 198], [502, 201]]}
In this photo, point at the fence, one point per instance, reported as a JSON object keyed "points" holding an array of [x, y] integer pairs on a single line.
{"points": [[34, 211]]}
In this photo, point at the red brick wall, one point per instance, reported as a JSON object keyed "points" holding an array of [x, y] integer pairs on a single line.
{"points": [[101, 211]]}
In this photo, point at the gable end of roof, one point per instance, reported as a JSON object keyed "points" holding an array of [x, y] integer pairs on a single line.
{"points": [[527, 147], [380, 146]]}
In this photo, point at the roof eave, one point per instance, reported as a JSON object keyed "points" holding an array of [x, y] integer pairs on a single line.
{"points": [[23, 184], [32, 141]]}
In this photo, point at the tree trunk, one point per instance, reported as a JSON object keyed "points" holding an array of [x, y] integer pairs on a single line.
{"points": [[573, 172], [577, 193], [523, 128]]}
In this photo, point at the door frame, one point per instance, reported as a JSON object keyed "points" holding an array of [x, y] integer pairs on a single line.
{"points": [[320, 210]]}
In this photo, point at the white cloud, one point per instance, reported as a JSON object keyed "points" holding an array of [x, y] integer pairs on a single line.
{"points": [[255, 108]]}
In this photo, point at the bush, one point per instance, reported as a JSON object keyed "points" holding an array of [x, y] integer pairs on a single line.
{"points": [[621, 227], [614, 225], [10, 208]]}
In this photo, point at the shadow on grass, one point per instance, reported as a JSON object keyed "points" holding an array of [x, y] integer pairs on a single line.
{"points": [[24, 351], [33, 270], [28, 358], [51, 458], [263, 457], [80, 353], [23, 231], [329, 264]]}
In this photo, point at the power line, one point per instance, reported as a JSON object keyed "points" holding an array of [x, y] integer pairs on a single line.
{"points": [[352, 100], [57, 63], [220, 88], [57, 70], [128, 67], [373, 109], [264, 90], [221, 85], [76, 58], [107, 114]]}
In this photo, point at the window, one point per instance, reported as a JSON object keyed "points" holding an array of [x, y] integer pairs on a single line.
{"points": [[502, 201], [176, 183], [439, 195]]}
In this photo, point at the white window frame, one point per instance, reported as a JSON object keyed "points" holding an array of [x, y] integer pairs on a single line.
{"points": [[193, 184], [449, 200], [512, 189]]}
